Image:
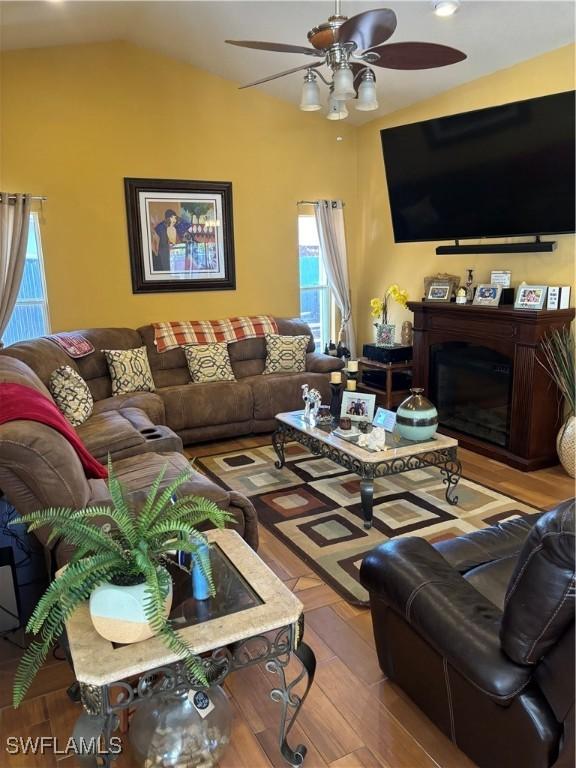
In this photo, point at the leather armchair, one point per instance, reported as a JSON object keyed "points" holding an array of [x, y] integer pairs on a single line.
{"points": [[479, 632]]}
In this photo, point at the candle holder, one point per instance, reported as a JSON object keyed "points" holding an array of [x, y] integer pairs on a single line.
{"points": [[335, 401], [351, 376]]}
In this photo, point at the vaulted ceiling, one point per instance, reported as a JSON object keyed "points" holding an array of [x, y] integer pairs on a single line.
{"points": [[494, 35]]}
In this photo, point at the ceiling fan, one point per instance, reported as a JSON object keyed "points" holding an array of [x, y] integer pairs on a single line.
{"points": [[350, 47]]}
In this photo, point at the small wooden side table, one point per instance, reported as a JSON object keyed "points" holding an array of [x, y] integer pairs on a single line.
{"points": [[387, 397]]}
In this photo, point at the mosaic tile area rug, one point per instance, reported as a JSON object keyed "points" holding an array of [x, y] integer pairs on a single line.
{"points": [[313, 506]]}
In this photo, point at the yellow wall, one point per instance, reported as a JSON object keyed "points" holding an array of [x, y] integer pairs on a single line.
{"points": [[76, 120], [378, 261]]}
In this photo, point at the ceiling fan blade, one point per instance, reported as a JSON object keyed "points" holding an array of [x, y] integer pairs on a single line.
{"points": [[368, 29], [416, 56], [281, 74], [277, 47]]}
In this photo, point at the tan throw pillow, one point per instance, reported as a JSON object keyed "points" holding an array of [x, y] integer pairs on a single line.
{"points": [[285, 354], [209, 362], [129, 370], [71, 394]]}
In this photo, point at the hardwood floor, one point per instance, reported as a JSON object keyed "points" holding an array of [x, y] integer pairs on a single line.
{"points": [[353, 717]]}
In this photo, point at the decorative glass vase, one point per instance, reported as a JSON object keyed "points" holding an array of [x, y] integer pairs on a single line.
{"points": [[385, 333], [181, 730], [416, 417]]}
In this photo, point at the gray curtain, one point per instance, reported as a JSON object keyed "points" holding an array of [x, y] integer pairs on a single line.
{"points": [[330, 223], [14, 220]]}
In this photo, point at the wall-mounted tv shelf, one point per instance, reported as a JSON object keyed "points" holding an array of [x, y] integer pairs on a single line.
{"points": [[536, 247]]}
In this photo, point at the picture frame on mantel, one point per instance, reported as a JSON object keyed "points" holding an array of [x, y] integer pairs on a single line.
{"points": [[487, 295], [530, 297], [180, 235], [440, 287]]}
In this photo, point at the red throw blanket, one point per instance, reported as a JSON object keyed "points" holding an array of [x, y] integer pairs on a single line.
{"points": [[21, 403]]}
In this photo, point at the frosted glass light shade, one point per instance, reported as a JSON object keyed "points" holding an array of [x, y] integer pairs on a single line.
{"points": [[367, 101], [310, 101], [336, 109], [343, 84]]}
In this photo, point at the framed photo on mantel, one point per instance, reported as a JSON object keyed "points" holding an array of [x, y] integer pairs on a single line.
{"points": [[487, 295], [530, 297], [180, 235]]}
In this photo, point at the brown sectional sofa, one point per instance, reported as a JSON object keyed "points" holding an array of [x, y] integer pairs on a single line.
{"points": [[195, 412]]}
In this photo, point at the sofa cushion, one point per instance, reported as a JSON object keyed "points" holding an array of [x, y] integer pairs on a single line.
{"points": [[129, 370], [285, 354], [201, 405], [278, 394], [71, 394], [149, 402], [209, 362], [108, 433]]}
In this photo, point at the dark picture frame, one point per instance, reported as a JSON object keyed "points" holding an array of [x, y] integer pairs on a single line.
{"points": [[180, 235]]}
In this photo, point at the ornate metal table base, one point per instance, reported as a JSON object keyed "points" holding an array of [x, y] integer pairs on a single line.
{"points": [[93, 732], [443, 458]]}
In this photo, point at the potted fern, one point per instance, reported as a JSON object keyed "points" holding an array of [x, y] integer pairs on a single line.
{"points": [[558, 353], [119, 563]]}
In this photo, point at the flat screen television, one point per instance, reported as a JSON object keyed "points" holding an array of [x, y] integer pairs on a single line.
{"points": [[497, 172]]}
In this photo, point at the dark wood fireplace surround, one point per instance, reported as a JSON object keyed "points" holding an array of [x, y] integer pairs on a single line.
{"points": [[535, 414]]}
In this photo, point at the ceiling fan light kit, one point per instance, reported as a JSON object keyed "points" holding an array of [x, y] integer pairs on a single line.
{"points": [[349, 47], [367, 101], [343, 81], [310, 101], [336, 109]]}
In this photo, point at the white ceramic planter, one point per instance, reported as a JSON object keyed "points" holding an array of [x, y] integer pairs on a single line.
{"points": [[566, 445], [118, 612]]}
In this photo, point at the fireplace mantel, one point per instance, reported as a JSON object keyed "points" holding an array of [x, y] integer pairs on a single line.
{"points": [[535, 415]]}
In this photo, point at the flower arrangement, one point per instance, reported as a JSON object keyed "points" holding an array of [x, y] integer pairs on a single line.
{"points": [[379, 307]]}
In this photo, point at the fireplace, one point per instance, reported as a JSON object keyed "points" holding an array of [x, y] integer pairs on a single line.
{"points": [[480, 367], [471, 386]]}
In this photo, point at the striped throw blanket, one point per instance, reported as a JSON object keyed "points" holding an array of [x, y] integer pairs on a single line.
{"points": [[180, 333]]}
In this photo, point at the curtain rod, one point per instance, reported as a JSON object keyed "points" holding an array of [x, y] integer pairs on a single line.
{"points": [[315, 202], [32, 197]]}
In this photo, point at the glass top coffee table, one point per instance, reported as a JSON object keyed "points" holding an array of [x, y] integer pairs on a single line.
{"points": [[252, 619], [440, 451]]}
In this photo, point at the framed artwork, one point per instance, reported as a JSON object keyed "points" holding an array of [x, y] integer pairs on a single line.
{"points": [[488, 295], [180, 235], [440, 287], [357, 406], [530, 297]]}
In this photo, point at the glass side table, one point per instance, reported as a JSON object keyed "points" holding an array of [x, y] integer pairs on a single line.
{"points": [[253, 619]]}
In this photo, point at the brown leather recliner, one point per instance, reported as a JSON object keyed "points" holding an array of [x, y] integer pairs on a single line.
{"points": [[479, 632]]}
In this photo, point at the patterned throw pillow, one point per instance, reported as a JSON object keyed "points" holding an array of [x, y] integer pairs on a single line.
{"points": [[285, 354], [71, 394], [129, 370], [209, 362]]}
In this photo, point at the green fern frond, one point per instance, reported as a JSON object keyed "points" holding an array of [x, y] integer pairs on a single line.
{"points": [[164, 501], [73, 580], [196, 510], [148, 510], [116, 491]]}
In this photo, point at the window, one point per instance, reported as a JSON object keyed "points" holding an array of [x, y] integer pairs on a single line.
{"points": [[314, 291], [30, 316]]}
